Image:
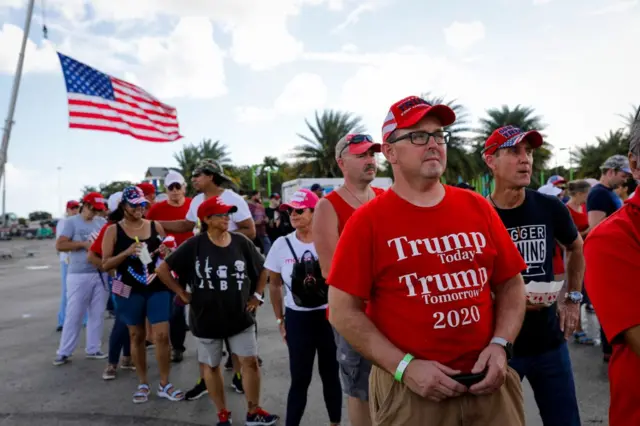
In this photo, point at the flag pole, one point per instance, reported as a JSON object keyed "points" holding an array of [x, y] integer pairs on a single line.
{"points": [[6, 134]]}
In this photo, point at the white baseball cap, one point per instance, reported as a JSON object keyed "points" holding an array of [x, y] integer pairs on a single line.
{"points": [[173, 177], [114, 200], [550, 189]]}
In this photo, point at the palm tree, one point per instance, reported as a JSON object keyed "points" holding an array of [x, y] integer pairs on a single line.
{"points": [[271, 164], [216, 150], [316, 157], [522, 117], [630, 118], [590, 157], [460, 161]]}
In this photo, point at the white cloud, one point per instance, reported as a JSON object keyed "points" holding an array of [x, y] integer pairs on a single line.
{"points": [[259, 35], [354, 16], [37, 58], [305, 92], [379, 81], [616, 7], [255, 115], [185, 63], [461, 35]]}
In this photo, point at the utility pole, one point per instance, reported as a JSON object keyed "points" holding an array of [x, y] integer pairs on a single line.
{"points": [[14, 94]]}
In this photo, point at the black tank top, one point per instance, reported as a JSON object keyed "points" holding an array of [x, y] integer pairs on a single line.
{"points": [[131, 271]]}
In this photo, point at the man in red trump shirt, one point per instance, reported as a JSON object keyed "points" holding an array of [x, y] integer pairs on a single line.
{"points": [[428, 257], [612, 279]]}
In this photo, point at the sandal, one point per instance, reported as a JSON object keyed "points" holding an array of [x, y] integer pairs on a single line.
{"points": [[127, 364], [582, 338], [170, 392], [142, 395]]}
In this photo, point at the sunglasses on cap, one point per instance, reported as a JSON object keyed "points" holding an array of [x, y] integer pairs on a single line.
{"points": [[175, 187], [355, 140]]}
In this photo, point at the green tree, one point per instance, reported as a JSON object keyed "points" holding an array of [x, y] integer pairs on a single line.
{"points": [[216, 150], [522, 117], [316, 156], [460, 161], [590, 157], [630, 117], [39, 215], [107, 189], [191, 154], [87, 189]]}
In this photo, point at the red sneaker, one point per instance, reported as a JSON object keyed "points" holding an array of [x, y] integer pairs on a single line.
{"points": [[224, 418], [261, 418]]}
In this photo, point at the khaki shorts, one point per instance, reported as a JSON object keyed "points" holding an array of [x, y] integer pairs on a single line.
{"points": [[394, 404], [243, 344]]}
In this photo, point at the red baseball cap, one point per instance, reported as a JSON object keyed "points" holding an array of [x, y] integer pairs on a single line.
{"points": [[214, 205], [95, 200], [302, 199], [147, 188], [408, 111], [356, 144], [507, 136], [72, 204]]}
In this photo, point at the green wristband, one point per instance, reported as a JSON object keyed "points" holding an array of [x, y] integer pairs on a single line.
{"points": [[403, 366]]}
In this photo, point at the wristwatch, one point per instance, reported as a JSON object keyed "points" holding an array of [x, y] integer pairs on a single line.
{"points": [[508, 346], [279, 321], [573, 297]]}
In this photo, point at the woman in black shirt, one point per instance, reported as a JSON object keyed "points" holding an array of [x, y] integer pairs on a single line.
{"points": [[221, 270], [131, 246]]}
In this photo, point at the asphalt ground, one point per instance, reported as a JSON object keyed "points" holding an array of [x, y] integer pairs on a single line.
{"points": [[33, 392]]}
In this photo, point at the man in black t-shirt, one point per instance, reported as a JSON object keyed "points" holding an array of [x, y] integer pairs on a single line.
{"points": [[535, 221]]}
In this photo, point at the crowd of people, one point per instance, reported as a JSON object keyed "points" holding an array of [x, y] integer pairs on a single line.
{"points": [[417, 300]]}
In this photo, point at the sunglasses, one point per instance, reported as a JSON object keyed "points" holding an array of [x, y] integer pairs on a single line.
{"points": [[174, 187], [297, 211], [355, 140], [135, 206]]}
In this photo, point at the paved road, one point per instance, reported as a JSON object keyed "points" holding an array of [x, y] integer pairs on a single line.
{"points": [[36, 393]]}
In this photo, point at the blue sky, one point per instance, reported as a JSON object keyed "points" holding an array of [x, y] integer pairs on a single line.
{"points": [[248, 72]]}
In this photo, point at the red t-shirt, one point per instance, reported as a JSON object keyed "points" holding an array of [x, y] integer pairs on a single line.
{"points": [[165, 211], [612, 278], [96, 246], [427, 272], [581, 219]]}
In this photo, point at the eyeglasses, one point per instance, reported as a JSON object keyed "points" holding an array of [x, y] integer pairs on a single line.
{"points": [[355, 140], [174, 187], [220, 215], [441, 137]]}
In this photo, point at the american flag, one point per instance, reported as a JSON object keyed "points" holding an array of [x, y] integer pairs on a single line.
{"points": [[98, 101], [121, 289]]}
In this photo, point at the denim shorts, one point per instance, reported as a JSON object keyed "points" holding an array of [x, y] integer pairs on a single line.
{"points": [[354, 370], [156, 306]]}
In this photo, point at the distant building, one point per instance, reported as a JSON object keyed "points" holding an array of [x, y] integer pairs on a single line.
{"points": [[156, 175]]}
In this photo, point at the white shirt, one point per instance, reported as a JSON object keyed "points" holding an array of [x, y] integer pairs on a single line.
{"points": [[64, 256], [281, 260], [228, 197]]}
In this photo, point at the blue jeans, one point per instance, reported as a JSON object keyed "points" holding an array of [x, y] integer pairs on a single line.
{"points": [[551, 378], [64, 266], [119, 341]]}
